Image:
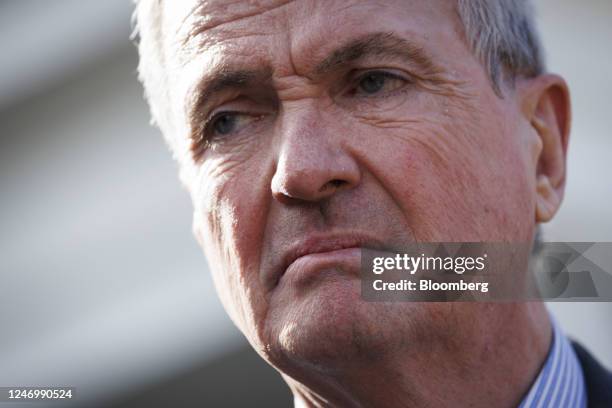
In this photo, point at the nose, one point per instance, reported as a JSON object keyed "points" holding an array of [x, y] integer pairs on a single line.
{"points": [[312, 163]]}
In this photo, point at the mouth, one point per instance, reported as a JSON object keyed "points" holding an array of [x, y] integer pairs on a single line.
{"points": [[318, 251]]}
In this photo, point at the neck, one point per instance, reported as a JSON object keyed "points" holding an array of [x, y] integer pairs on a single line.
{"points": [[492, 366]]}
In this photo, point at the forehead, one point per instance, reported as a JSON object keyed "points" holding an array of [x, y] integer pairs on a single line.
{"points": [[263, 29]]}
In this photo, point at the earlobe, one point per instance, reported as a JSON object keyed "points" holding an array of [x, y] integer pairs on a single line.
{"points": [[550, 172], [548, 199]]}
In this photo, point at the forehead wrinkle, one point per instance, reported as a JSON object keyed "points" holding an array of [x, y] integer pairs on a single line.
{"points": [[378, 44], [193, 11], [208, 20]]}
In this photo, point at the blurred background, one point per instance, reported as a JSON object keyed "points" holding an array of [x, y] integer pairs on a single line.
{"points": [[102, 286]]}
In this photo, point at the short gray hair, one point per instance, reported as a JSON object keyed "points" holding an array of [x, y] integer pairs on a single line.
{"points": [[501, 34]]}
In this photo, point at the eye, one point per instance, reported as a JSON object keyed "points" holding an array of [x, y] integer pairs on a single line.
{"points": [[378, 82], [226, 123]]}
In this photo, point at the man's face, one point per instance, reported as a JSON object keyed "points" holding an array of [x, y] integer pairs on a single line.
{"points": [[318, 128]]}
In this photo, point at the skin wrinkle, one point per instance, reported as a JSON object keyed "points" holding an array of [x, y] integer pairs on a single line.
{"points": [[289, 39], [267, 210], [429, 77], [249, 295], [433, 151], [240, 148], [216, 221], [244, 34], [396, 200], [384, 123], [424, 164], [226, 165], [177, 33], [384, 379], [199, 27], [222, 80], [382, 45], [240, 281]]}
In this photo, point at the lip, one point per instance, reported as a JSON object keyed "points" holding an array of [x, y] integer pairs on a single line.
{"points": [[318, 251]]}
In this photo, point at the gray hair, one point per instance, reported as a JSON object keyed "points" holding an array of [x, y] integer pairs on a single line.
{"points": [[503, 36]]}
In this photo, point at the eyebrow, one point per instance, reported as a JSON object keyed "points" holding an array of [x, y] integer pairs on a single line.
{"points": [[380, 45], [375, 45], [223, 79]]}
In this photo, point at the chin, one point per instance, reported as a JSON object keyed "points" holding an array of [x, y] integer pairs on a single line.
{"points": [[331, 327]]}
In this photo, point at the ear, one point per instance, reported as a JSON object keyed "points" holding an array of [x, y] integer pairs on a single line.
{"points": [[546, 105]]}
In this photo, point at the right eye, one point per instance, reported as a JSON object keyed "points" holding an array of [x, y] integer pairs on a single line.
{"points": [[226, 123]]}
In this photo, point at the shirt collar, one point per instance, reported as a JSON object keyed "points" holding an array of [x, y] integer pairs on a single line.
{"points": [[560, 383]]}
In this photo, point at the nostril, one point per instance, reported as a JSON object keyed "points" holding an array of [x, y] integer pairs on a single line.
{"points": [[332, 184]]}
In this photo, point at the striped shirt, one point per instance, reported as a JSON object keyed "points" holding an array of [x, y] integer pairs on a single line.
{"points": [[560, 383]]}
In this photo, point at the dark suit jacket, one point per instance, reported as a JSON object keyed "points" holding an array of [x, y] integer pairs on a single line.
{"points": [[598, 380]]}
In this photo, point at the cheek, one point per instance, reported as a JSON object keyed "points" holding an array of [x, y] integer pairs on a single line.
{"points": [[229, 213], [457, 176]]}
